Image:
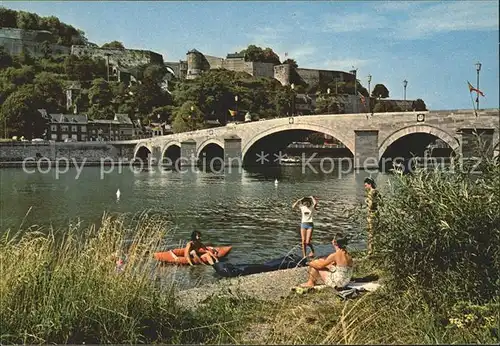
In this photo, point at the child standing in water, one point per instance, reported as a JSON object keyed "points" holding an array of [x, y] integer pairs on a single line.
{"points": [[307, 207]]}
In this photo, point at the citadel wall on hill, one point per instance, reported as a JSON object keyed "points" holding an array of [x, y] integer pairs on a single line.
{"points": [[34, 42]]}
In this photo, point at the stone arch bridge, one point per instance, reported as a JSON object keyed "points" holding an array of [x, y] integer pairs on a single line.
{"points": [[366, 136]]}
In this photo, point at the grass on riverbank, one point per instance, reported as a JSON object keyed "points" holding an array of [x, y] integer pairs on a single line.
{"points": [[63, 287], [380, 317]]}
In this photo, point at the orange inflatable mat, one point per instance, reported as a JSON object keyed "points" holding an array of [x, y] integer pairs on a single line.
{"points": [[168, 256]]}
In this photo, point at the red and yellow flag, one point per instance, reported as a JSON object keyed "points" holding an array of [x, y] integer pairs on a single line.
{"points": [[363, 100], [471, 89], [233, 113]]}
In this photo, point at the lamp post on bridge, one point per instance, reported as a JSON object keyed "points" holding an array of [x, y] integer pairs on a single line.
{"points": [[328, 100], [191, 118], [292, 86], [478, 68], [236, 102], [369, 81], [405, 83]]}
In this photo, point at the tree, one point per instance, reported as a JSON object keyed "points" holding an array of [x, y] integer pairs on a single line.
{"points": [[19, 76], [8, 18], [257, 54], [100, 93], [84, 68], [380, 91], [5, 59], [386, 106], [27, 20], [45, 49], [113, 45], [291, 62], [20, 112], [327, 104], [419, 105], [188, 118], [165, 113], [49, 87]]}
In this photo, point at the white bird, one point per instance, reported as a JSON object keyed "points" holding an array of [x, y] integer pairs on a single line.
{"points": [[118, 193]]}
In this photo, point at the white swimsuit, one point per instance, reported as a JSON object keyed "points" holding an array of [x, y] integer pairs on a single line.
{"points": [[339, 276]]}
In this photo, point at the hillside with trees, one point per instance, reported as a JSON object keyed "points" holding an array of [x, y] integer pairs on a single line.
{"points": [[62, 34], [28, 84]]}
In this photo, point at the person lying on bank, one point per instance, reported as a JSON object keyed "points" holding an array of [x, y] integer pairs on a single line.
{"points": [[335, 270], [193, 248]]}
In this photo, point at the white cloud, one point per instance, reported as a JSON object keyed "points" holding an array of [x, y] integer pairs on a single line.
{"points": [[414, 20], [345, 64], [448, 17], [268, 36], [353, 22], [301, 53], [396, 6]]}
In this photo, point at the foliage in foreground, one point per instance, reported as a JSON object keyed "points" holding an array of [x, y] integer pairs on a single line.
{"points": [[439, 233], [375, 318], [64, 288]]}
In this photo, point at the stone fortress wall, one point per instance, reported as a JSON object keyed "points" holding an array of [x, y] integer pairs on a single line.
{"points": [[15, 41], [34, 42], [119, 57]]}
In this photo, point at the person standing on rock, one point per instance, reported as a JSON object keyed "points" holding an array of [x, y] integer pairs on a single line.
{"points": [[307, 207]]}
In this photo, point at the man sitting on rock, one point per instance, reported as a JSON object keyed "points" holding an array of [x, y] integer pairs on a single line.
{"points": [[335, 270]]}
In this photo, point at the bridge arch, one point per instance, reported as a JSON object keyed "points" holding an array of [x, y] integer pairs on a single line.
{"points": [[205, 143], [427, 129], [343, 137], [171, 150], [142, 151], [172, 70]]}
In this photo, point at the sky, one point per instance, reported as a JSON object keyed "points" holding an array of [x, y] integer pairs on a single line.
{"points": [[434, 45]]}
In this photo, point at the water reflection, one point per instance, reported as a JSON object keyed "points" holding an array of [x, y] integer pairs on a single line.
{"points": [[244, 209]]}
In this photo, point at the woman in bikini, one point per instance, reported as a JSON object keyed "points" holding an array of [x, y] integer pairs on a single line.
{"points": [[335, 270], [307, 207]]}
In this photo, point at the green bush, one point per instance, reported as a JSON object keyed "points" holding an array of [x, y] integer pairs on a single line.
{"points": [[439, 232]]}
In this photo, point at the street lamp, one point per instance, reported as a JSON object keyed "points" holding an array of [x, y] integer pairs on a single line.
{"points": [[292, 86], [328, 100], [478, 68], [236, 101], [354, 71], [369, 81], [405, 83], [191, 117]]}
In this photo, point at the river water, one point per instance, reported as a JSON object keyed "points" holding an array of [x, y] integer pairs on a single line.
{"points": [[245, 209]]}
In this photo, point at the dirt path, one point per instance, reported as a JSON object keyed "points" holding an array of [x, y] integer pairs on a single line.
{"points": [[270, 286]]}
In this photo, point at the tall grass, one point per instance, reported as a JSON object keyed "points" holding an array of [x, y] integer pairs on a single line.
{"points": [[63, 287], [439, 233]]}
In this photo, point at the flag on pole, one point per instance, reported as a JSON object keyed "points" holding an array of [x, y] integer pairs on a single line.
{"points": [[363, 100], [471, 89], [233, 113]]}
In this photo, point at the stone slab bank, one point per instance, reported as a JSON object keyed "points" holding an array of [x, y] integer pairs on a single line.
{"points": [[13, 154]]}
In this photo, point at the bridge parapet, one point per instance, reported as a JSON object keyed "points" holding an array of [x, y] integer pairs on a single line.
{"points": [[364, 134]]}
